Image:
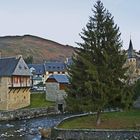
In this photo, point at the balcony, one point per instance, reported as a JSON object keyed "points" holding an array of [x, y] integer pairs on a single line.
{"points": [[14, 85]]}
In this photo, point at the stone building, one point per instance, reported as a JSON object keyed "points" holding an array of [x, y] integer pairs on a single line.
{"points": [[14, 83], [55, 89], [133, 61]]}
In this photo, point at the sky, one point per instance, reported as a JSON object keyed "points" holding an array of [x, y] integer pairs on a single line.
{"points": [[63, 20]]}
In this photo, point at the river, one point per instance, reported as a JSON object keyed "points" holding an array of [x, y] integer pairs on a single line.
{"points": [[27, 129]]}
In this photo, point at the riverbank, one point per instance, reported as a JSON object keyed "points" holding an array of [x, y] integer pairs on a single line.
{"points": [[27, 113], [28, 129], [79, 127], [38, 107]]}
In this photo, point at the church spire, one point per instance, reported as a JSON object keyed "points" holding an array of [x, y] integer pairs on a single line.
{"points": [[131, 53], [130, 45]]}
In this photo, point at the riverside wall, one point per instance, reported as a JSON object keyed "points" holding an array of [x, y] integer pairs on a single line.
{"points": [[26, 113], [93, 134]]}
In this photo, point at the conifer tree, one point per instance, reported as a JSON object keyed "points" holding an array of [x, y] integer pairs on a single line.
{"points": [[97, 75]]}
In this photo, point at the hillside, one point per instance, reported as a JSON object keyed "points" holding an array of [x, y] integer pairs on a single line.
{"points": [[28, 45]]}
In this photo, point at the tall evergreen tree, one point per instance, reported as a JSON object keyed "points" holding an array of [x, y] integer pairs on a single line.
{"points": [[97, 75]]}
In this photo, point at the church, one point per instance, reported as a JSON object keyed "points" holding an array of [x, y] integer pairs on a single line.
{"points": [[133, 61]]}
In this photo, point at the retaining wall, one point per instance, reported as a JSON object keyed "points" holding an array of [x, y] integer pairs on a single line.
{"points": [[26, 113], [93, 134]]}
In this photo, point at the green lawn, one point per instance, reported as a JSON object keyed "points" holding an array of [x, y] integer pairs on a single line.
{"points": [[114, 120], [39, 100]]}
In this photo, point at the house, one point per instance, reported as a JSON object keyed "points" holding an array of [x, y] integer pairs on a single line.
{"points": [[54, 67], [55, 89], [14, 83], [38, 74]]}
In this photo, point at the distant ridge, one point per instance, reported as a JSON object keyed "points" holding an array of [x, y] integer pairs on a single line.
{"points": [[28, 45]]}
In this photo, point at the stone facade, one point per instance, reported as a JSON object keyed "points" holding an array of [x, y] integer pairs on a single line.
{"points": [[55, 90], [134, 70], [92, 134], [13, 98], [14, 83], [53, 93], [26, 113], [3, 93]]}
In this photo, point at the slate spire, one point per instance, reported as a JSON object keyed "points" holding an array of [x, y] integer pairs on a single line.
{"points": [[131, 53]]}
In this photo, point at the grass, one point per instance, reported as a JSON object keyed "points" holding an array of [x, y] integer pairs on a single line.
{"points": [[113, 120], [39, 100]]}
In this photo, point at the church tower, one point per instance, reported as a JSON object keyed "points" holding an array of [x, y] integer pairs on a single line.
{"points": [[132, 63], [131, 55]]}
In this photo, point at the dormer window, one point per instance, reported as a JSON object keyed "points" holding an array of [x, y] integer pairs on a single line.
{"points": [[20, 67], [25, 67]]}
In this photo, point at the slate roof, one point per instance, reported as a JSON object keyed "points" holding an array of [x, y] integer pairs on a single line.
{"points": [[8, 65], [39, 68], [55, 66], [13, 66], [60, 78], [131, 53]]}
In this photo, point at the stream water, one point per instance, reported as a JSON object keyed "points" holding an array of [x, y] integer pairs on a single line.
{"points": [[27, 129]]}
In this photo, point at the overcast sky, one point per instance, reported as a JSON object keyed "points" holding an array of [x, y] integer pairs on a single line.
{"points": [[63, 20]]}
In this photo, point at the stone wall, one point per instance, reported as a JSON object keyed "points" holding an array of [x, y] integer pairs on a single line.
{"points": [[18, 98], [92, 134], [13, 98], [53, 93], [26, 113], [3, 93]]}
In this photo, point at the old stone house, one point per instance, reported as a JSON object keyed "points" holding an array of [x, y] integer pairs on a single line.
{"points": [[14, 83], [55, 89]]}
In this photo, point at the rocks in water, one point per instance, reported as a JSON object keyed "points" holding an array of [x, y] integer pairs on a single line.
{"points": [[9, 125], [45, 133]]}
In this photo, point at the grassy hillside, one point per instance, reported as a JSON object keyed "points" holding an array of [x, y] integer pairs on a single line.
{"points": [[41, 49]]}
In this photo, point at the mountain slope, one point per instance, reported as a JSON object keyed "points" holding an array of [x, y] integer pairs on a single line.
{"points": [[28, 45]]}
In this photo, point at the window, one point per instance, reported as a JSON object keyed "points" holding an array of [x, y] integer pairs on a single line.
{"points": [[16, 80], [20, 67], [25, 67], [50, 72]]}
